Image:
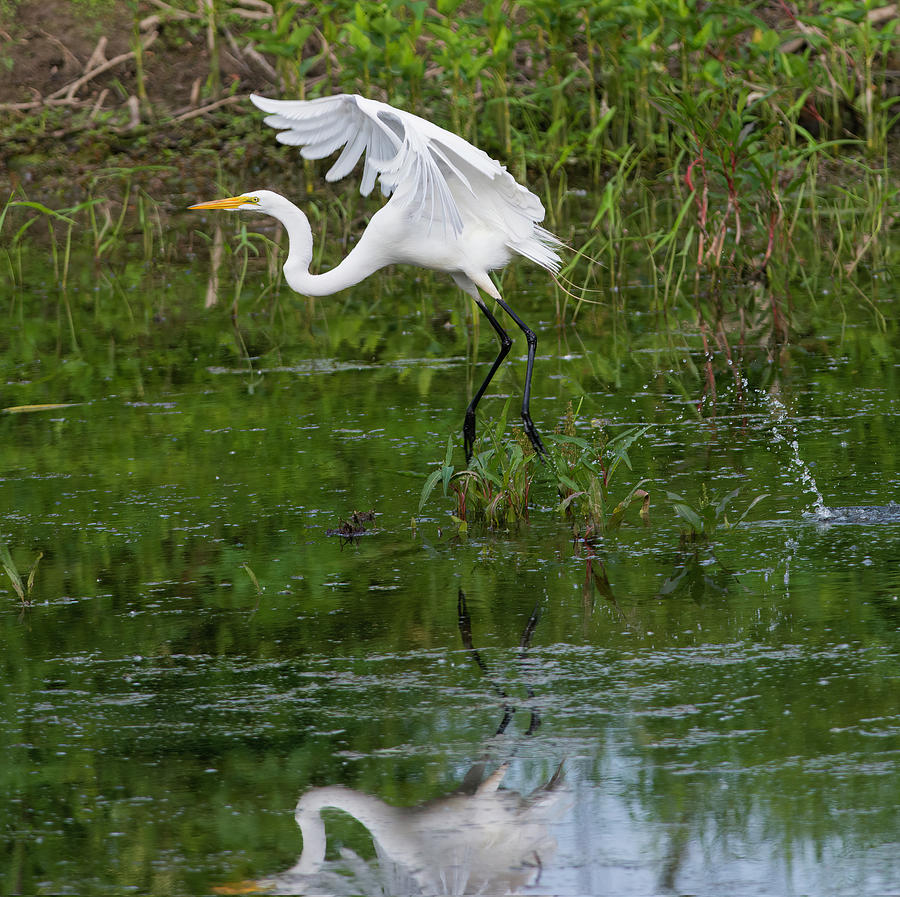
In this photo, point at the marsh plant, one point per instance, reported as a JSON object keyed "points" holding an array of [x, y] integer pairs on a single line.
{"points": [[744, 151], [588, 478], [585, 474], [708, 515], [496, 485], [106, 219], [22, 587]]}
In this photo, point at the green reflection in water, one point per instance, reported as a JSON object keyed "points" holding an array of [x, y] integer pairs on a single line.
{"points": [[162, 715]]}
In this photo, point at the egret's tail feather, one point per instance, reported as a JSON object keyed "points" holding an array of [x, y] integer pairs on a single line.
{"points": [[561, 278], [564, 285], [542, 248]]}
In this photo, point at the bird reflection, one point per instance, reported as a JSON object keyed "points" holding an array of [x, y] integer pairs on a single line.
{"points": [[481, 838], [487, 840], [464, 620]]}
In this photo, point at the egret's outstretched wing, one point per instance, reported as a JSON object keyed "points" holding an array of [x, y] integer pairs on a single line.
{"points": [[433, 171]]}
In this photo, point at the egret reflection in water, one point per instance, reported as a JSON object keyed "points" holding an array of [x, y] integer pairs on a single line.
{"points": [[481, 839]]}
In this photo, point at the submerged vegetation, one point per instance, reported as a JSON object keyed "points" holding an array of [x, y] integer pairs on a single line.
{"points": [[22, 587], [588, 476], [495, 487], [585, 472]]}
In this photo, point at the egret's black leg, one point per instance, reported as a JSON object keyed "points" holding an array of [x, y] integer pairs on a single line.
{"points": [[531, 339], [505, 344]]}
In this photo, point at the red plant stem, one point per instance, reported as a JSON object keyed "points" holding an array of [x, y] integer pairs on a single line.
{"points": [[710, 386], [788, 11], [773, 219]]}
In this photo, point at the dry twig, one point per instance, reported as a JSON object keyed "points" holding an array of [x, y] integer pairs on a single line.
{"points": [[193, 113], [68, 92]]}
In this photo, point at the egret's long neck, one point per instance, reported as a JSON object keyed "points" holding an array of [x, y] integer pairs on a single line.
{"points": [[358, 264], [382, 821]]}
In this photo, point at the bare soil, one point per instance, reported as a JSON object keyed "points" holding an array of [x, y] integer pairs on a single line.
{"points": [[50, 43], [71, 102]]}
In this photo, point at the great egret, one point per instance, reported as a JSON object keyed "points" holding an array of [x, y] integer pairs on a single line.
{"points": [[452, 208]]}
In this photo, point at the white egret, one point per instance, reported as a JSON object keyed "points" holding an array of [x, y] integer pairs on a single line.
{"points": [[452, 208]]}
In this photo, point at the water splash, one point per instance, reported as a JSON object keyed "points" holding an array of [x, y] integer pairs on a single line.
{"points": [[807, 480]]}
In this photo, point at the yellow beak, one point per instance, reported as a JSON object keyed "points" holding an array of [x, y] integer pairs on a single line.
{"points": [[231, 202]]}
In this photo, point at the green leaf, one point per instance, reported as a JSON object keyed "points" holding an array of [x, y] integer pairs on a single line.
{"points": [[42, 208], [430, 483], [501, 44], [566, 502], [11, 571], [690, 515], [448, 457], [720, 507], [570, 440], [446, 474], [752, 504], [567, 482]]}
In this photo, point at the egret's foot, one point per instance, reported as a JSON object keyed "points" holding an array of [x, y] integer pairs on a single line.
{"points": [[532, 433], [469, 435]]}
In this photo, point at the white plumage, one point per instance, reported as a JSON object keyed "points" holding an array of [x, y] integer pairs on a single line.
{"points": [[451, 208], [438, 177]]}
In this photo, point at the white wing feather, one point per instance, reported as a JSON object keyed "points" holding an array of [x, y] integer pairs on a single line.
{"points": [[436, 175]]}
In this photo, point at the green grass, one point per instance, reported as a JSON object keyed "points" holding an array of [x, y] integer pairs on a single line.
{"points": [[742, 153]]}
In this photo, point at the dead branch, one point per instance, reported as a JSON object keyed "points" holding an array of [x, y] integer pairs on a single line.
{"points": [[98, 57], [212, 286], [877, 16], [258, 4], [99, 104], [68, 92], [256, 57], [134, 113], [171, 12], [37, 104], [236, 54], [194, 113], [66, 51]]}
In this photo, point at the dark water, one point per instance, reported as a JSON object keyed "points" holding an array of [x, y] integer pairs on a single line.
{"points": [[197, 653]]}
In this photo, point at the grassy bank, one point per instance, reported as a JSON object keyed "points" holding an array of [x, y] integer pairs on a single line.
{"points": [[742, 153]]}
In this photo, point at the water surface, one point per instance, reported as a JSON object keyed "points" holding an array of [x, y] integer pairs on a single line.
{"points": [[198, 653]]}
